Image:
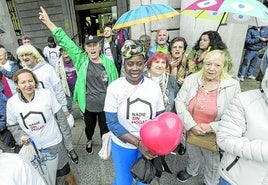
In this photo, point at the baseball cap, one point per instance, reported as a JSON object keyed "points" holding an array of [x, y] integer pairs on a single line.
{"points": [[91, 39], [50, 39]]}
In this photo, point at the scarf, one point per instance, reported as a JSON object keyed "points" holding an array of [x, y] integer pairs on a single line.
{"points": [[7, 90]]}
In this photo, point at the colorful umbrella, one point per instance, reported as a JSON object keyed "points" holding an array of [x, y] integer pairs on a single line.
{"points": [[250, 12], [252, 8], [145, 13], [245, 19]]}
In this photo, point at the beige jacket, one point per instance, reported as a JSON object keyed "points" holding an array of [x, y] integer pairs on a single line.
{"points": [[62, 75]]}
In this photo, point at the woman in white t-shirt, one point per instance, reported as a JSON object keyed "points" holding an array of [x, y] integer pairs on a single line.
{"points": [[42, 119], [130, 102]]}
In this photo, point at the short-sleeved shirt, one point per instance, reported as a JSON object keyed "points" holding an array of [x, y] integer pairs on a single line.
{"points": [[163, 49], [97, 82], [133, 112], [36, 118], [71, 74]]}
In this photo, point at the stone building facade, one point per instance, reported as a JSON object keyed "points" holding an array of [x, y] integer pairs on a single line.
{"points": [[18, 17]]}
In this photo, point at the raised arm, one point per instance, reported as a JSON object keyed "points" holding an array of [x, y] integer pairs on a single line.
{"points": [[43, 16]]}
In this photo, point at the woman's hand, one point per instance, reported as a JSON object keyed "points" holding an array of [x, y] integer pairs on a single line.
{"points": [[25, 140], [67, 113], [198, 130], [148, 155], [180, 81], [138, 143], [206, 127]]}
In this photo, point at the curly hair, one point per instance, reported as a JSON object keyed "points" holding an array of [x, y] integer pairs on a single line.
{"points": [[215, 41]]}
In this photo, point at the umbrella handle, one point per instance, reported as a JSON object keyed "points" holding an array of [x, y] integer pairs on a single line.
{"points": [[221, 21], [38, 156], [35, 149]]}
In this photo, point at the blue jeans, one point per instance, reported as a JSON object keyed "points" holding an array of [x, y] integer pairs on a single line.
{"points": [[251, 59], [223, 182], [123, 159]]}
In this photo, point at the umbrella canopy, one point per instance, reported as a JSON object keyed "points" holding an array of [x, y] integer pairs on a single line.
{"points": [[250, 12], [252, 8], [245, 19], [226, 17], [145, 13]]}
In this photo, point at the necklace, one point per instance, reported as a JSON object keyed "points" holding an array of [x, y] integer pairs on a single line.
{"points": [[210, 86]]}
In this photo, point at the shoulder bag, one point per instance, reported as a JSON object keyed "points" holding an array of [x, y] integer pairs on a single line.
{"points": [[208, 141], [105, 151]]}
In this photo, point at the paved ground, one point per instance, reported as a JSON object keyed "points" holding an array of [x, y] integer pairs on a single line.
{"points": [[92, 170]]}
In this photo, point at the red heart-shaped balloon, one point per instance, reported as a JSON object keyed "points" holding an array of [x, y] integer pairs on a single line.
{"points": [[162, 134]]}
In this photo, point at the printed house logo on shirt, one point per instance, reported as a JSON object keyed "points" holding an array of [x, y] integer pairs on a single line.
{"points": [[34, 120], [138, 111]]}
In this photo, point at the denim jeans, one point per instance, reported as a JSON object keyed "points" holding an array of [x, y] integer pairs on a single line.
{"points": [[251, 59], [223, 182]]}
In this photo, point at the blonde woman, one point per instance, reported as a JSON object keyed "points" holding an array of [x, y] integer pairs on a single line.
{"points": [[200, 103]]}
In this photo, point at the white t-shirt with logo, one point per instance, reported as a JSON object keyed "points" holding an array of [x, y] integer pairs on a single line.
{"points": [[36, 118], [133, 112], [108, 51], [52, 55]]}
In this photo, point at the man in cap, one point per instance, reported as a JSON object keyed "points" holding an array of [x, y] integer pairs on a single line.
{"points": [[95, 72]]}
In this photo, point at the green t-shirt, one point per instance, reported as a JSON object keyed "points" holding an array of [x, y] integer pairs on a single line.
{"points": [[163, 50]]}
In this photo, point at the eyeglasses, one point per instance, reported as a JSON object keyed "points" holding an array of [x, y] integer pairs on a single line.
{"points": [[25, 55]]}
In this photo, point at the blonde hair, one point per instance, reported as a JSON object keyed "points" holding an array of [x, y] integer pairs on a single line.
{"points": [[214, 55], [28, 48]]}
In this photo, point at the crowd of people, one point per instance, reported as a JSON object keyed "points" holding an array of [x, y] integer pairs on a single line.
{"points": [[121, 85]]}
